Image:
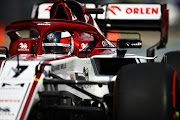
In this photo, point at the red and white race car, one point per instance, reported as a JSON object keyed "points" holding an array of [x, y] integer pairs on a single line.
{"points": [[68, 70]]}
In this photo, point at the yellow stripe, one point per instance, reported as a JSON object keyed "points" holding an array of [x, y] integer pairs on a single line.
{"points": [[65, 5], [177, 114], [36, 79]]}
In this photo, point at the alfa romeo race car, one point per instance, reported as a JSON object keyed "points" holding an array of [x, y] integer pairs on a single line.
{"points": [[68, 70]]}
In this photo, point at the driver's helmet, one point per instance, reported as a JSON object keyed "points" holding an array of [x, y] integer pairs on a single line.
{"points": [[52, 44]]}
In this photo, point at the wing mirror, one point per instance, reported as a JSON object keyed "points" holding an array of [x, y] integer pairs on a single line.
{"points": [[94, 11], [3, 52], [127, 39]]}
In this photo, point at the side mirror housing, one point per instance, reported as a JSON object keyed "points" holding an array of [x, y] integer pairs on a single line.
{"points": [[3, 52]]}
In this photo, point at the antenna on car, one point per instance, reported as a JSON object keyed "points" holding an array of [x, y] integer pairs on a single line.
{"points": [[85, 3], [18, 70]]}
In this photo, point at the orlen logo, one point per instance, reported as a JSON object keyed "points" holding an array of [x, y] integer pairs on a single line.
{"points": [[112, 9], [23, 47], [48, 8], [134, 11], [142, 10]]}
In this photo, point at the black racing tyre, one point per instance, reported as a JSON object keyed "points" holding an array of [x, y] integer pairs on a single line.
{"points": [[173, 59], [144, 92]]}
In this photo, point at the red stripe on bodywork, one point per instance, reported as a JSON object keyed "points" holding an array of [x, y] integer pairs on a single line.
{"points": [[67, 56], [34, 86], [174, 92], [114, 93], [30, 96], [174, 89]]}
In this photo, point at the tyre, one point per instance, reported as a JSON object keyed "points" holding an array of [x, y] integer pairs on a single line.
{"points": [[144, 92], [173, 59]]}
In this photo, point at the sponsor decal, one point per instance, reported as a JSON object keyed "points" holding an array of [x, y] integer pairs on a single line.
{"points": [[21, 69], [44, 24], [56, 44], [48, 8], [10, 104], [131, 12], [7, 86], [44, 10], [10, 101], [59, 67], [142, 11], [136, 10], [23, 47], [83, 46], [112, 9], [5, 111], [134, 44]]}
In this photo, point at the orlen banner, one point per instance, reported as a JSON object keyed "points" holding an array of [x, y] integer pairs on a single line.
{"points": [[115, 11], [132, 11]]}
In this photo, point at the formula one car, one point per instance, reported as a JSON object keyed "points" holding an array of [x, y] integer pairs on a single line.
{"points": [[70, 71]]}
